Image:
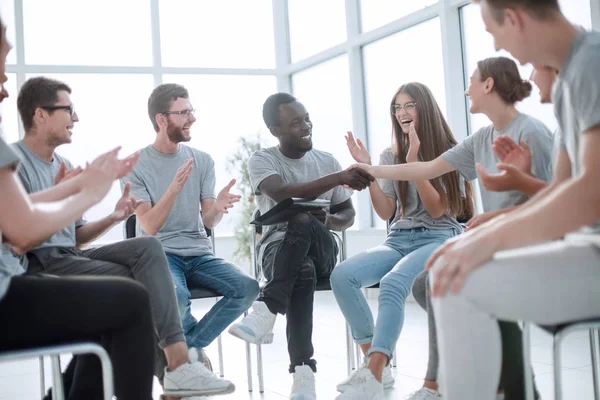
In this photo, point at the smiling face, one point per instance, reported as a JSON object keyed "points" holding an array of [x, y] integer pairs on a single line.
{"points": [[295, 128], [179, 125], [57, 124], [405, 111], [477, 91]]}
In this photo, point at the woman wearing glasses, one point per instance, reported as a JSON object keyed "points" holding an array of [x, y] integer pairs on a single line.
{"points": [[424, 216], [33, 311], [495, 87]]}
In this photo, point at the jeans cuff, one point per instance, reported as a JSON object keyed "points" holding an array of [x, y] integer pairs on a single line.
{"points": [[363, 341], [171, 339]]}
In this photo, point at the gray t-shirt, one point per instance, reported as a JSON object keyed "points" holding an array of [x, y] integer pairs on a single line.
{"points": [[314, 165], [415, 214], [37, 175], [477, 148], [576, 96], [183, 232], [9, 264]]}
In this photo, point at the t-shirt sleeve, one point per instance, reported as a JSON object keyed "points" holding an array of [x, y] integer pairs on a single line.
{"points": [[340, 193], [540, 143], [387, 185], [8, 157], [586, 92], [462, 158], [138, 188], [260, 167], [207, 187]]}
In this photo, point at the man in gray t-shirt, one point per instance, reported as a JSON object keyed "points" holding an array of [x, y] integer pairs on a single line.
{"points": [[175, 183], [296, 254]]}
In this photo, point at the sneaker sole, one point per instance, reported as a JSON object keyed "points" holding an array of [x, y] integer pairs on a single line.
{"points": [[343, 388], [199, 392], [241, 334]]}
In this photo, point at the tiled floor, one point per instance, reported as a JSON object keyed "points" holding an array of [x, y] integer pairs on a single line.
{"points": [[21, 380]]}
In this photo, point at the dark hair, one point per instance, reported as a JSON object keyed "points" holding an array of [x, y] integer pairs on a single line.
{"points": [[507, 80], [436, 137], [162, 97], [537, 9], [271, 107], [35, 93]]}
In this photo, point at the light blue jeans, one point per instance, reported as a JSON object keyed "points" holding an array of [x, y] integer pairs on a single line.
{"points": [[394, 265], [239, 290]]}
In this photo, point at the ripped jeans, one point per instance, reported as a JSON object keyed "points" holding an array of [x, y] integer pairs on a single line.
{"points": [[291, 267]]}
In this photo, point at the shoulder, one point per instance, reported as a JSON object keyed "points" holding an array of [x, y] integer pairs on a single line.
{"points": [[387, 157], [199, 155], [532, 126]]}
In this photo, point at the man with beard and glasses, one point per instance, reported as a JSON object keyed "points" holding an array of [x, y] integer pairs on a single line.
{"points": [[174, 182], [48, 117], [297, 253]]}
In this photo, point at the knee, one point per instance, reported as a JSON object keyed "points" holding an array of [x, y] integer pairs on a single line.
{"points": [[390, 284], [149, 244], [248, 289], [342, 276]]}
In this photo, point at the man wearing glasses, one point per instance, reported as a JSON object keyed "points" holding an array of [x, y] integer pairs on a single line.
{"points": [[174, 182], [48, 117]]}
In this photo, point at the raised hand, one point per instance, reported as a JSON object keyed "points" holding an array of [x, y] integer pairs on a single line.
{"points": [[125, 206], [357, 149], [414, 144], [101, 173], [65, 174], [181, 176], [225, 199], [509, 152], [508, 179]]}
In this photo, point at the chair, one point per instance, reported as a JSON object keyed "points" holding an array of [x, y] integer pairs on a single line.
{"points": [[196, 293], [53, 352], [559, 332], [321, 285]]}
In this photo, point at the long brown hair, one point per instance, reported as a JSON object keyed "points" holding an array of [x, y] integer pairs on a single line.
{"points": [[435, 137]]}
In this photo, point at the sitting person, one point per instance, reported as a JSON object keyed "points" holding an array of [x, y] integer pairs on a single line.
{"points": [[48, 117], [520, 266], [108, 310], [495, 88], [172, 182], [294, 255], [425, 216]]}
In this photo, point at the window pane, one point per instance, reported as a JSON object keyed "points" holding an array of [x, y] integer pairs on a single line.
{"points": [[386, 70], [8, 111], [376, 13], [223, 116], [325, 91], [315, 25], [7, 10], [108, 119], [208, 33], [75, 32], [479, 44]]}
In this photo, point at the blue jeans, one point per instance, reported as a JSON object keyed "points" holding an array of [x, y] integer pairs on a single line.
{"points": [[239, 290], [394, 265]]}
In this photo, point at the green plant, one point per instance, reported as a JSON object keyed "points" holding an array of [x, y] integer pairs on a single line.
{"points": [[238, 164]]}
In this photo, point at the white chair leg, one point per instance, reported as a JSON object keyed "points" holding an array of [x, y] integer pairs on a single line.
{"points": [[594, 351], [57, 384], [394, 362], [259, 362], [42, 378], [359, 357], [220, 347], [249, 366], [529, 394], [349, 350], [557, 375]]}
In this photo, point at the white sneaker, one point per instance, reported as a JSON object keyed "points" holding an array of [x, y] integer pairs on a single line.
{"points": [[256, 327], [194, 379], [424, 394], [387, 378], [304, 384], [199, 355], [364, 387]]}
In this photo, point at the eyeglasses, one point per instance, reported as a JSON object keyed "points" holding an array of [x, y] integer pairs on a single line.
{"points": [[396, 108], [185, 113], [70, 108]]}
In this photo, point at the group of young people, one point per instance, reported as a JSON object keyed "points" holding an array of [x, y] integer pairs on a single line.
{"points": [[475, 275]]}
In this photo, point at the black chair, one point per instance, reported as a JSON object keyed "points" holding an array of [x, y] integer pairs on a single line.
{"points": [[199, 293], [321, 285], [559, 332]]}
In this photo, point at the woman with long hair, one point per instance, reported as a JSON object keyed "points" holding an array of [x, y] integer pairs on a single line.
{"points": [[424, 216]]}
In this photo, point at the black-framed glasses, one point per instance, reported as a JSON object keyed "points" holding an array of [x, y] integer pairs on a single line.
{"points": [[70, 108], [184, 113], [396, 108]]}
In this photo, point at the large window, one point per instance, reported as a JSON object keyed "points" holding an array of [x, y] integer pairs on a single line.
{"points": [[393, 61], [7, 10], [8, 111], [315, 25], [375, 13], [325, 91], [217, 34]]}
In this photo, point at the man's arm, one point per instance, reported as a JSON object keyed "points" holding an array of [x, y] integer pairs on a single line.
{"points": [[341, 216]]}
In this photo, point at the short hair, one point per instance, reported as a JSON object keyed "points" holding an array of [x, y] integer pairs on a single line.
{"points": [[35, 93], [507, 80], [537, 9], [161, 99], [271, 107]]}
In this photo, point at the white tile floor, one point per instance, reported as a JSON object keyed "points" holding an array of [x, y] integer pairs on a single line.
{"points": [[21, 380]]}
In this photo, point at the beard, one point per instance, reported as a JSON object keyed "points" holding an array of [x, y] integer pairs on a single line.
{"points": [[175, 133]]}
